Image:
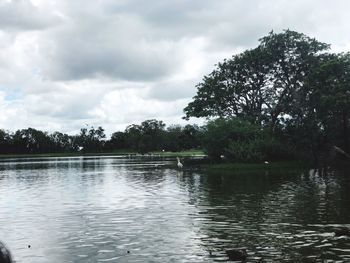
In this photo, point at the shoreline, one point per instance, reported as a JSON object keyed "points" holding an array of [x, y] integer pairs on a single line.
{"points": [[189, 153], [257, 167], [200, 161]]}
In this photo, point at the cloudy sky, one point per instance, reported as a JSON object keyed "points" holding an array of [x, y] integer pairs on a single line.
{"points": [[68, 63]]}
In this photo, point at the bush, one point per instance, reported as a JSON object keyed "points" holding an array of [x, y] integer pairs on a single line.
{"points": [[259, 149], [245, 151], [218, 133], [240, 140]]}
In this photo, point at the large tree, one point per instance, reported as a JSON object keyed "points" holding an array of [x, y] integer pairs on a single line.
{"points": [[32, 141], [63, 142], [145, 137], [91, 140], [324, 109], [5, 141], [261, 85]]}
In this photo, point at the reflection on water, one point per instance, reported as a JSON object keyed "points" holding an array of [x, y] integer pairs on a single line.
{"points": [[98, 209]]}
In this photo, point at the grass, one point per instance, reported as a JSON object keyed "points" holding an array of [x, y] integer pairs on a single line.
{"points": [[251, 167], [187, 153]]}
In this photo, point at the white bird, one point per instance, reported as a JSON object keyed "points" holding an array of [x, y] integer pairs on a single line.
{"points": [[179, 164]]}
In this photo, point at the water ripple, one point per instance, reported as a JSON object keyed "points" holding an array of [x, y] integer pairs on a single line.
{"points": [[115, 209]]}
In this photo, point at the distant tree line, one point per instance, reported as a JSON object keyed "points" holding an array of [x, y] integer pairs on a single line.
{"points": [[287, 97], [150, 135]]}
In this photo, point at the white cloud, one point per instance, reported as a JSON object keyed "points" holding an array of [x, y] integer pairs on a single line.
{"points": [[120, 108], [112, 63]]}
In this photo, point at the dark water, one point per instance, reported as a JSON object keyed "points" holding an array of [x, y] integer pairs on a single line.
{"points": [[97, 209]]}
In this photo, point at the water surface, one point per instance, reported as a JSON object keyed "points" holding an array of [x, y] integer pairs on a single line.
{"points": [[97, 209]]}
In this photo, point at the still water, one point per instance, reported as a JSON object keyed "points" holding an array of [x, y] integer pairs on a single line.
{"points": [[115, 209]]}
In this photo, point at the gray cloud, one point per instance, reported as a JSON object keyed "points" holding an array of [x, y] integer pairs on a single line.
{"points": [[65, 63], [170, 91], [23, 15], [113, 47], [138, 41]]}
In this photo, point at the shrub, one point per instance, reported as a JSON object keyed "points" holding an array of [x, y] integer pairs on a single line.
{"points": [[240, 140]]}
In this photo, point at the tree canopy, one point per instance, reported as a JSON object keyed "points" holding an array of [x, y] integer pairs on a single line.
{"points": [[260, 84]]}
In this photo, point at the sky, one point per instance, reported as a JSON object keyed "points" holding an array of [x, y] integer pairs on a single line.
{"points": [[66, 64]]}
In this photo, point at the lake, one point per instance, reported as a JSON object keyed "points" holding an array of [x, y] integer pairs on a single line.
{"points": [[119, 209]]}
